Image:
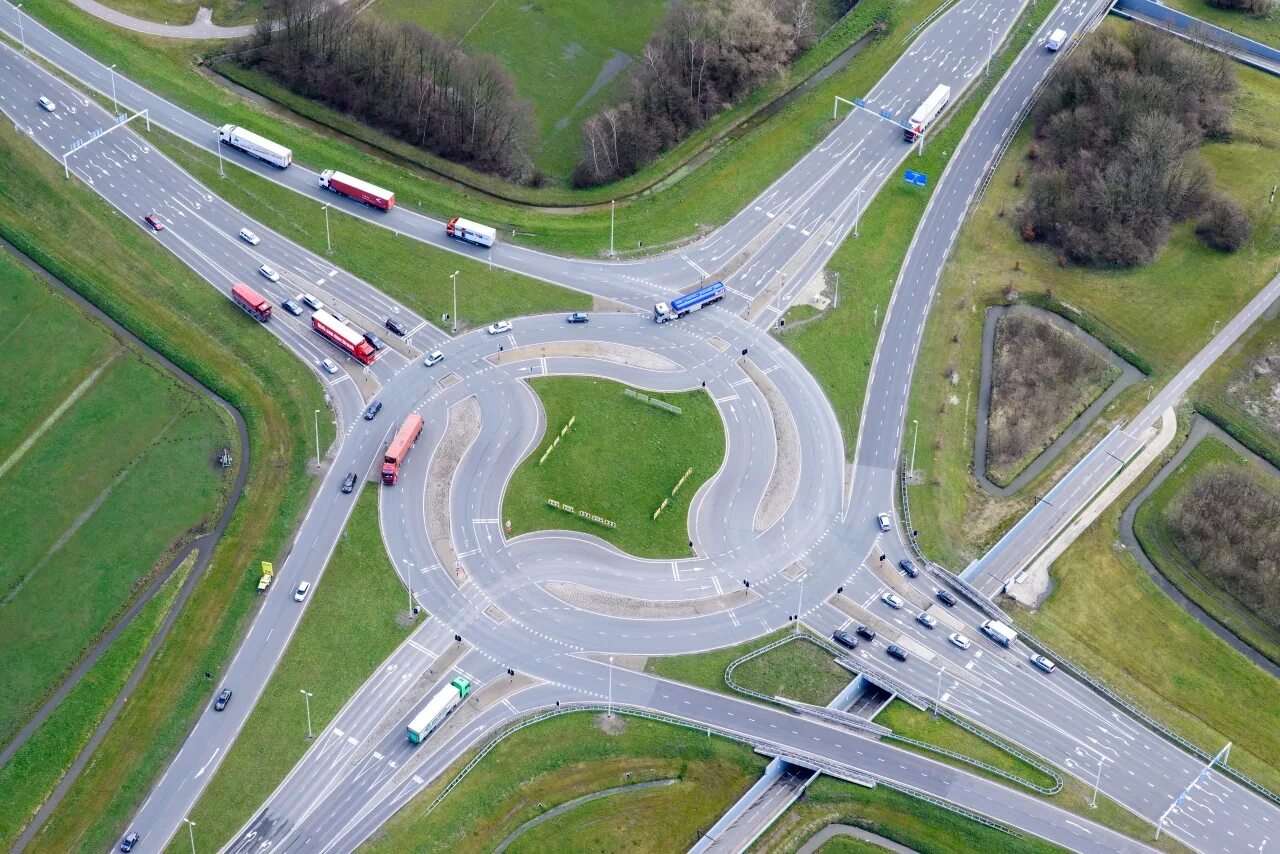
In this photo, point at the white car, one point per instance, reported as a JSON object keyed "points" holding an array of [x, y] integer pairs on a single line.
{"points": [[500, 327], [958, 640], [301, 592], [249, 237], [330, 366], [433, 358], [46, 105], [311, 302], [882, 521], [1043, 663], [926, 619], [268, 273], [893, 600]]}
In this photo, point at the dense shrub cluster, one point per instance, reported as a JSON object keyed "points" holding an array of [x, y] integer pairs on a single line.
{"points": [[400, 79], [1225, 524], [705, 56], [1118, 132]]}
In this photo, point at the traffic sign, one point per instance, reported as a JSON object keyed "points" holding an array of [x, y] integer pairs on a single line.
{"points": [[886, 113], [861, 102], [919, 179]]}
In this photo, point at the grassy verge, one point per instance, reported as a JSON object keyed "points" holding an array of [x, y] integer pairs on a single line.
{"points": [[568, 757], [405, 269], [709, 195], [915, 824], [360, 591], [706, 669], [27, 779], [1151, 528], [101, 498], [1109, 617], [1189, 287], [837, 349], [1238, 398], [798, 671], [116, 266], [620, 460]]}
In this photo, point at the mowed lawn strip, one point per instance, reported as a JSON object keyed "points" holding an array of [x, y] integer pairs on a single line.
{"points": [[35, 768], [112, 262], [1188, 287], [570, 756], [93, 505], [350, 627], [706, 669], [710, 195], [405, 269], [619, 461], [798, 671]]}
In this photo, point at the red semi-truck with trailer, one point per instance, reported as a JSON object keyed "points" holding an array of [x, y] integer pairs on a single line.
{"points": [[405, 438], [344, 336], [251, 302], [353, 188]]}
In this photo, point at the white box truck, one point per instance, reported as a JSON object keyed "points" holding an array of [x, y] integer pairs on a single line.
{"points": [[999, 632], [257, 146], [1056, 40], [470, 232]]}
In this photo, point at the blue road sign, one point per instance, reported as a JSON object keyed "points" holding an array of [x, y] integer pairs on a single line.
{"points": [[886, 113], [919, 179], [861, 102]]}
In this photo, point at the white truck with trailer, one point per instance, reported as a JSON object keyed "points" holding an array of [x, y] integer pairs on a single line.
{"points": [[257, 146], [470, 232], [438, 709], [927, 113]]}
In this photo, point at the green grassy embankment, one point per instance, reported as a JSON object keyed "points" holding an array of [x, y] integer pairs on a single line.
{"points": [[619, 461], [117, 266], [355, 619]]}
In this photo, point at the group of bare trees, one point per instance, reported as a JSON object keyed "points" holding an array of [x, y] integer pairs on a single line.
{"points": [[401, 79], [1225, 524], [705, 56], [1117, 136]]}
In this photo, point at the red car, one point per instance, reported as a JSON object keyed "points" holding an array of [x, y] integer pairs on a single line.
{"points": [[154, 221]]}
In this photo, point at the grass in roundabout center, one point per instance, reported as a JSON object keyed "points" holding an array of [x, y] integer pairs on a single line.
{"points": [[618, 461]]}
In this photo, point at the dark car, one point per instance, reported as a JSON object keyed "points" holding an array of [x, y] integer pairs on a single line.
{"points": [[946, 598], [223, 698], [129, 841], [376, 342], [908, 567], [349, 484], [577, 317], [371, 411], [864, 632], [154, 221], [895, 651], [844, 639], [292, 307], [397, 327]]}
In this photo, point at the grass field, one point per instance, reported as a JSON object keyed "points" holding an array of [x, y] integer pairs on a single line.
{"points": [[568, 757], [913, 823], [798, 671], [350, 627], [837, 349], [1262, 28], [706, 669], [35, 768], [1189, 287], [395, 265], [118, 471], [561, 54], [619, 461], [1153, 533], [114, 264], [709, 195], [1241, 401]]}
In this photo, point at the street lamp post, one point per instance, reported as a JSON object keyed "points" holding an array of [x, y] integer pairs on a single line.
{"points": [[218, 145], [611, 686], [857, 210], [914, 436], [611, 204], [937, 698], [22, 36], [990, 52], [454, 316], [306, 696], [327, 239], [1096, 783], [115, 105], [317, 437], [191, 832]]}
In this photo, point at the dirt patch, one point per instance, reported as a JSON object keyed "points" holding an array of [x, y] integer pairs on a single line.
{"points": [[464, 426], [1256, 388], [611, 724], [786, 462], [629, 607], [1041, 379], [604, 304], [621, 354]]}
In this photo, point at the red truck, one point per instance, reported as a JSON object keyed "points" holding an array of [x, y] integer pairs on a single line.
{"points": [[251, 302], [344, 336], [405, 438], [354, 188]]}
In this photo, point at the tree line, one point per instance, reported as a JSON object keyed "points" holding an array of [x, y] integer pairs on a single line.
{"points": [[705, 56], [1117, 165], [400, 79]]}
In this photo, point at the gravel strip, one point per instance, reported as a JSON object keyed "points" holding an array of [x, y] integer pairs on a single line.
{"points": [[622, 354], [464, 426], [785, 478], [615, 605]]}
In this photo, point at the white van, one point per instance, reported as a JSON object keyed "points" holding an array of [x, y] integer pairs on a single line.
{"points": [[1056, 40]]}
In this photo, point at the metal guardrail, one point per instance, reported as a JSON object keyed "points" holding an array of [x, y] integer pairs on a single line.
{"points": [[948, 805]]}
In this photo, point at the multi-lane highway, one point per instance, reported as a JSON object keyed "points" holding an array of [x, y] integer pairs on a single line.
{"points": [[547, 606]]}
